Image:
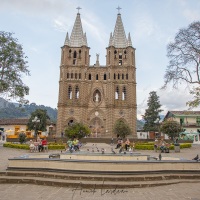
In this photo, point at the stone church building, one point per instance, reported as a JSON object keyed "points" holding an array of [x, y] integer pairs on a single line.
{"points": [[93, 94]]}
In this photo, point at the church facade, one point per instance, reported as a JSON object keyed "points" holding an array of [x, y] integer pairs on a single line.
{"points": [[97, 95]]}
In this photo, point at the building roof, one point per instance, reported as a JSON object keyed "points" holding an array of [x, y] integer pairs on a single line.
{"points": [[182, 114], [118, 39], [19, 121], [186, 113], [77, 38], [14, 121]]}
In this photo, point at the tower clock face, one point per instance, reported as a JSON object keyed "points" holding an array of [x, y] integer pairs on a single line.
{"points": [[96, 113]]}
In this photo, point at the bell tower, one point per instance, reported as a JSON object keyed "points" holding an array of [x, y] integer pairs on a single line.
{"points": [[120, 60], [75, 60]]}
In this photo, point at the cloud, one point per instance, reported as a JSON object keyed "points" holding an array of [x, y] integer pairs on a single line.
{"points": [[60, 24], [191, 15], [174, 99], [37, 6]]}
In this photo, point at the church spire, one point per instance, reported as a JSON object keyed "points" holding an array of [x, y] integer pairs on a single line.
{"points": [[129, 40], [77, 38], [67, 40], [119, 40]]}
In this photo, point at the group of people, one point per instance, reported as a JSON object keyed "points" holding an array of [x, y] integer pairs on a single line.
{"points": [[73, 144], [120, 143], [162, 145], [38, 145]]}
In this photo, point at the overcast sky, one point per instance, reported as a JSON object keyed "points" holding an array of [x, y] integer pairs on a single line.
{"points": [[41, 27]]}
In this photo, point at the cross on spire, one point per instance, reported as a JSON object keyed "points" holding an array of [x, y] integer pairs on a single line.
{"points": [[118, 8], [78, 8]]}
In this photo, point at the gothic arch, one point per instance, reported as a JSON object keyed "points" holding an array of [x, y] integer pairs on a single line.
{"points": [[69, 121]]}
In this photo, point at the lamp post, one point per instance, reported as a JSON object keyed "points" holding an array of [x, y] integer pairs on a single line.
{"points": [[36, 120], [158, 126], [51, 130]]}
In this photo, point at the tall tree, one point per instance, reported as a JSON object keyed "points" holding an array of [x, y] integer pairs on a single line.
{"points": [[184, 63], [151, 115], [122, 129], [39, 125], [12, 67]]}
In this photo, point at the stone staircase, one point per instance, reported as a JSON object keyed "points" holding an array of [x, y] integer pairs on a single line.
{"points": [[91, 181]]}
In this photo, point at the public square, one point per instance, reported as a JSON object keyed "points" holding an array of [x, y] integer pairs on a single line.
{"points": [[176, 191]]}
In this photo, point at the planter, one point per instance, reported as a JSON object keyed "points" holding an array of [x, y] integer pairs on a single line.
{"points": [[177, 148]]}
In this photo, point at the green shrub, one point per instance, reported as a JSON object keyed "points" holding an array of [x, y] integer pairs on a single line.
{"points": [[144, 147], [54, 147], [147, 146], [26, 146], [16, 146]]}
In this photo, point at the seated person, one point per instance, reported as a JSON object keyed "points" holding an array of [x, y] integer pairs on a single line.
{"points": [[40, 147], [163, 145], [76, 144], [31, 146], [69, 144], [156, 144], [36, 144], [44, 144], [119, 143], [127, 144]]}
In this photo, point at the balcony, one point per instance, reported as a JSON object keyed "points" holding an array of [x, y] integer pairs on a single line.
{"points": [[191, 124]]}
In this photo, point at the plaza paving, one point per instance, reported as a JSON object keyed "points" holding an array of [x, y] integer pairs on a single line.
{"points": [[32, 192]]}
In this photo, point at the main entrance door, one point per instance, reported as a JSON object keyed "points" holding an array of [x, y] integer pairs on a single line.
{"points": [[96, 126]]}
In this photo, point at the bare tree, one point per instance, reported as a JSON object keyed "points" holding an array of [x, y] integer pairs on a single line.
{"points": [[184, 55]]}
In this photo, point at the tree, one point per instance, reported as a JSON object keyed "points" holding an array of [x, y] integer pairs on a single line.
{"points": [[42, 121], [171, 128], [12, 67], [77, 130], [184, 63], [22, 138], [122, 129], [151, 115]]}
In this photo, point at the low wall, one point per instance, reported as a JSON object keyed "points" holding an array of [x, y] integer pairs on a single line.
{"points": [[94, 166]]}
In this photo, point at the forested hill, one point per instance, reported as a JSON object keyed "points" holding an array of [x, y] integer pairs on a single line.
{"points": [[11, 110]]}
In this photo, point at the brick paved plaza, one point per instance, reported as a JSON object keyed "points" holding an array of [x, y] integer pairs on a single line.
{"points": [[32, 192]]}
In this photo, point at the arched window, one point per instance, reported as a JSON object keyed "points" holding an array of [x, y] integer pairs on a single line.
{"points": [[75, 75], [76, 92], [90, 77], [115, 52], [109, 58], [79, 53], [124, 93], [125, 54], [122, 76], [70, 51], [126, 76], [70, 123], [74, 57], [97, 77], [72, 75], [74, 54], [114, 76], [117, 93], [70, 92], [104, 77], [120, 58], [79, 75], [67, 75], [118, 76]]}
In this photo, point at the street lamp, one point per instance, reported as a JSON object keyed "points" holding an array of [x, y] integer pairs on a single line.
{"points": [[36, 120]]}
